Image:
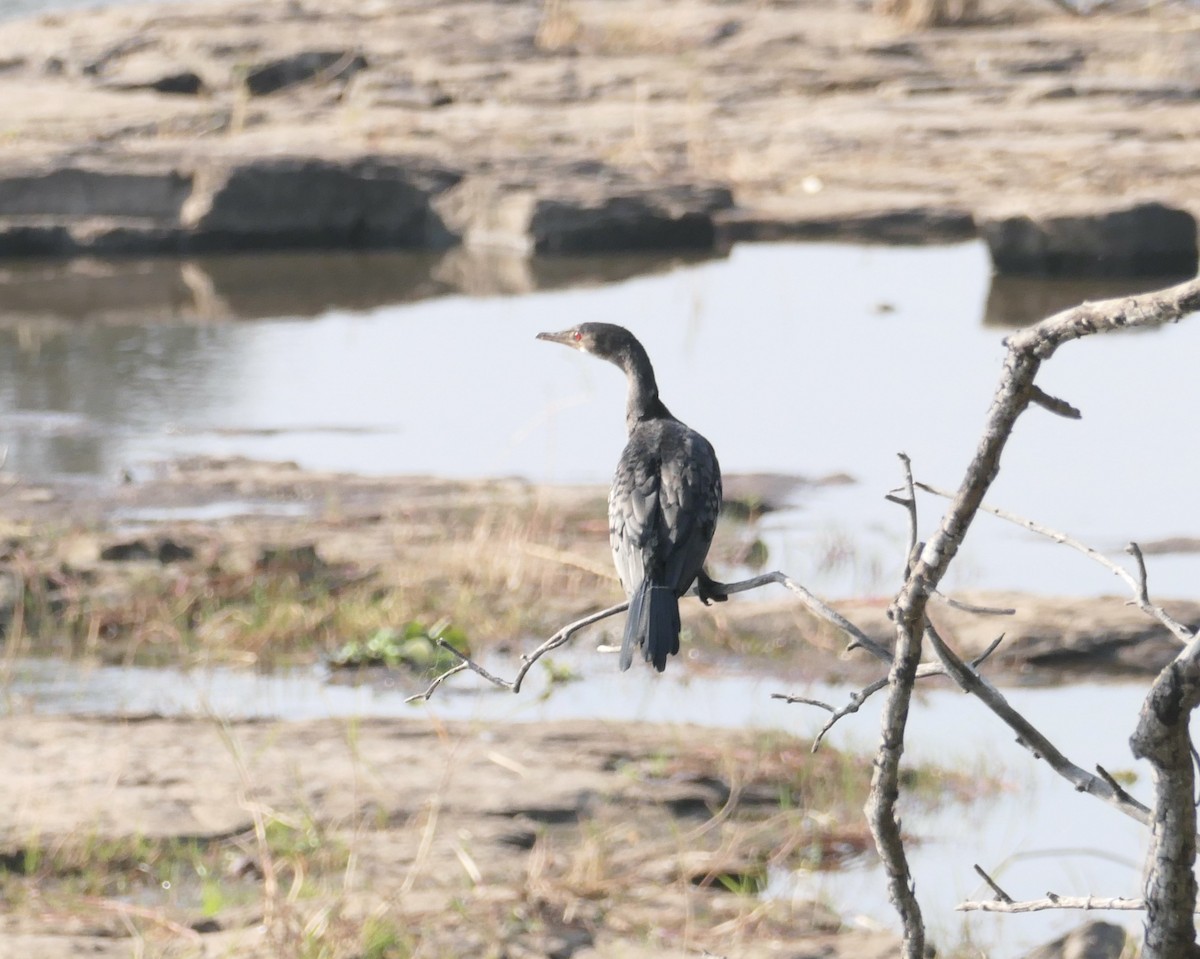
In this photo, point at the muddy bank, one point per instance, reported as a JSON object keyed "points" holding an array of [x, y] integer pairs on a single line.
{"points": [[587, 125], [203, 838], [247, 562]]}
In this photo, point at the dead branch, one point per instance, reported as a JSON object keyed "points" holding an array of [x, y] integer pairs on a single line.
{"points": [[1054, 404], [859, 639], [1052, 902], [1030, 737], [527, 661], [858, 698], [1161, 737], [907, 612], [1027, 350], [1001, 895], [1138, 585], [971, 607]]}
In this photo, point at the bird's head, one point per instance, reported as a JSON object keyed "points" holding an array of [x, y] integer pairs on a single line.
{"points": [[605, 340]]}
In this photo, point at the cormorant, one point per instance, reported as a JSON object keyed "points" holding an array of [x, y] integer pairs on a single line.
{"points": [[664, 501]]}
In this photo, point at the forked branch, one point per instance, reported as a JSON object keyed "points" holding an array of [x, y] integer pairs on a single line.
{"points": [[1016, 390], [1138, 586], [859, 639]]}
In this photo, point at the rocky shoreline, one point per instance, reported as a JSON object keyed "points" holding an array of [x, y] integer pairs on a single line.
{"points": [[583, 126]]}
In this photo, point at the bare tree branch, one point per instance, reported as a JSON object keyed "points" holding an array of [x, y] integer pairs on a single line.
{"points": [[1138, 585], [1052, 902], [1001, 895], [527, 661], [1030, 737], [909, 501], [971, 607], [1027, 349], [1054, 404], [564, 635], [907, 613], [1162, 738], [858, 698]]}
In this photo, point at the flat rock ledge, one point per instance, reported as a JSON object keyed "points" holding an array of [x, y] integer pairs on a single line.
{"points": [[582, 127], [371, 202]]}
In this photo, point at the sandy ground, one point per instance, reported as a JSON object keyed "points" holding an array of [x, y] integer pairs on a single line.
{"points": [[146, 836]]}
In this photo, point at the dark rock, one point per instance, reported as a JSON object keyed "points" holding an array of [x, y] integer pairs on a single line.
{"points": [[1147, 239], [303, 560], [284, 72], [1102, 634], [1092, 940], [913, 225], [546, 814], [183, 82], [640, 221], [163, 551], [206, 925], [582, 216], [64, 237], [34, 239], [75, 191], [276, 204]]}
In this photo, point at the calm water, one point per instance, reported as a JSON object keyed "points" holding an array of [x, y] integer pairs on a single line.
{"points": [[1033, 832], [799, 359]]}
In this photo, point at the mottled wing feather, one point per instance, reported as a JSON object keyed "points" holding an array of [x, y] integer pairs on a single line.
{"points": [[663, 506]]}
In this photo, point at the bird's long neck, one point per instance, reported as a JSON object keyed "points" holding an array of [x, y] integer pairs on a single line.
{"points": [[642, 402]]}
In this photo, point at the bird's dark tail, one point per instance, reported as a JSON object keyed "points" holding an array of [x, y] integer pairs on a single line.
{"points": [[653, 624]]}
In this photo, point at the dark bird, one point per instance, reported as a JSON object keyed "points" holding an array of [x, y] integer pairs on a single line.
{"points": [[663, 506]]}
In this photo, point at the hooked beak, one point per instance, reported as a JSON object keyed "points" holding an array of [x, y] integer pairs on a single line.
{"points": [[564, 338]]}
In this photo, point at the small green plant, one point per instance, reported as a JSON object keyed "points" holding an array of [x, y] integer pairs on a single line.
{"points": [[414, 646], [382, 940], [748, 883]]}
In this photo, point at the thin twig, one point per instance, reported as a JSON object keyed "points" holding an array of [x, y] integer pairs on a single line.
{"points": [[858, 637], [909, 502], [1117, 787], [1053, 404], [438, 680], [803, 701], [1137, 585], [861, 696], [1001, 895], [971, 607], [1030, 737], [527, 660], [1053, 902]]}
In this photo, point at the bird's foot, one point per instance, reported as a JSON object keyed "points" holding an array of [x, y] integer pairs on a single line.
{"points": [[709, 590]]}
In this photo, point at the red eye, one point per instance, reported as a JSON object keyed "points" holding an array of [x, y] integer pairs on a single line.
{"points": [[577, 336]]}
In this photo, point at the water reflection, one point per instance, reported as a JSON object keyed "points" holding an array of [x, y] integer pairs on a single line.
{"points": [[1022, 300], [796, 359], [162, 290], [68, 394]]}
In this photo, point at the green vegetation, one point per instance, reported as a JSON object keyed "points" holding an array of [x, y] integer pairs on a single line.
{"points": [[415, 646]]}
